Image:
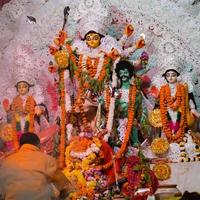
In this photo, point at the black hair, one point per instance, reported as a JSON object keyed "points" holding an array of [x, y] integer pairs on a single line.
{"points": [[177, 73], [29, 85], [29, 138], [123, 64], [190, 196], [101, 36]]}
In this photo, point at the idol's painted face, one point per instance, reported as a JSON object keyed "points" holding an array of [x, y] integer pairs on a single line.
{"points": [[171, 77], [93, 40], [124, 75], [22, 88]]}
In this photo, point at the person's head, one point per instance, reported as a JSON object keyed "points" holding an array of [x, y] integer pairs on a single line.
{"points": [[93, 39], [23, 87], [190, 196], [124, 70], [29, 138], [171, 75]]}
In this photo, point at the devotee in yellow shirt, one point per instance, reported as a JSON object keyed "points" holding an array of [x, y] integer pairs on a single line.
{"points": [[27, 174]]}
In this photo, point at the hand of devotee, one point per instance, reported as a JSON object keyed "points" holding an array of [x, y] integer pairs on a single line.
{"points": [[63, 186], [129, 30], [38, 110]]}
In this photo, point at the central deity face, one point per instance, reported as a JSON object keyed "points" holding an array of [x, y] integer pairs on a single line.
{"points": [[171, 77], [22, 88], [93, 40], [124, 75]]}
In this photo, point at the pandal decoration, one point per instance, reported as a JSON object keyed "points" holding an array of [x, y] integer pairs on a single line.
{"points": [[159, 146], [162, 171], [155, 118], [175, 103]]}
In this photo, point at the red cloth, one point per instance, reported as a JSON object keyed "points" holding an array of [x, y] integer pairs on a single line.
{"points": [[108, 153]]}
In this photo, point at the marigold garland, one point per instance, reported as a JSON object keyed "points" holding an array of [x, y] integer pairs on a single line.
{"points": [[176, 103], [62, 54], [71, 54], [63, 121], [107, 100], [93, 68]]}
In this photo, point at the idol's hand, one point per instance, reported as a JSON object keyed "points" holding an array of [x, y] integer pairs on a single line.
{"points": [[140, 43], [6, 105], [195, 113], [129, 30], [114, 54], [106, 137], [38, 110]]}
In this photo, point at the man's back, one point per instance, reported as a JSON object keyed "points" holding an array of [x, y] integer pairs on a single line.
{"points": [[24, 175]]}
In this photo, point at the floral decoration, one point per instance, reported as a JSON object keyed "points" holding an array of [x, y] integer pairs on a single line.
{"points": [[162, 171], [159, 146]]}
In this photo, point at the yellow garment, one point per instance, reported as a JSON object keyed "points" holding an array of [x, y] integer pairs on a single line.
{"points": [[25, 174]]}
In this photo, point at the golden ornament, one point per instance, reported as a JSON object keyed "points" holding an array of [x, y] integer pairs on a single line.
{"points": [[162, 171], [155, 118], [159, 146], [62, 58]]}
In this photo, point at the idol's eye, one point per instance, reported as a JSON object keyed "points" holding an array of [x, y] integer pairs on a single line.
{"points": [[173, 74], [96, 37], [88, 38]]}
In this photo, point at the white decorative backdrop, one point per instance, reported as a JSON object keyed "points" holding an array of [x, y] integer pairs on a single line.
{"points": [[172, 29]]}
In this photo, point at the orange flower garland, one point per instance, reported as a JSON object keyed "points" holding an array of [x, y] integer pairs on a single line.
{"points": [[107, 98], [63, 121], [91, 68], [71, 55], [79, 104], [175, 103], [62, 54], [131, 105]]}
